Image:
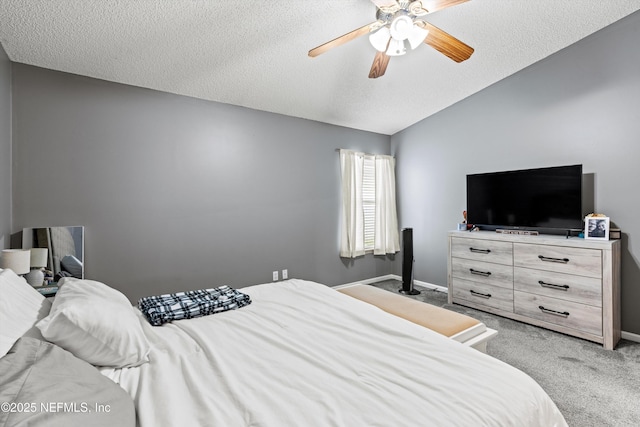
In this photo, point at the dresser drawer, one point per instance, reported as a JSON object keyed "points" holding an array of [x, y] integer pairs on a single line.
{"points": [[482, 250], [483, 294], [573, 315], [580, 289], [561, 259], [483, 272]]}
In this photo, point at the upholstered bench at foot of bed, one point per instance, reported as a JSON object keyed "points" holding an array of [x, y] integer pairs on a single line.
{"points": [[456, 326]]}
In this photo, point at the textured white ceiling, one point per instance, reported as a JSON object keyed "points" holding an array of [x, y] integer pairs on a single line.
{"points": [[253, 53]]}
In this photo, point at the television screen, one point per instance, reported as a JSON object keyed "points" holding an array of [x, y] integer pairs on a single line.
{"points": [[545, 198]]}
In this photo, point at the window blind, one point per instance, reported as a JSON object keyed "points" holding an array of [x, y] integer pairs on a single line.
{"points": [[369, 201]]}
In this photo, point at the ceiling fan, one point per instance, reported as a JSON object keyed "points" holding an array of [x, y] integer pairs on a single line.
{"points": [[400, 22]]}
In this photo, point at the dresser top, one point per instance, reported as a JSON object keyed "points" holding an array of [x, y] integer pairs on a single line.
{"points": [[541, 239]]}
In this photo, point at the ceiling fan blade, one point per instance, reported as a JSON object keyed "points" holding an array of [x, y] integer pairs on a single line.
{"points": [[384, 3], [447, 44], [436, 5], [379, 66], [344, 38]]}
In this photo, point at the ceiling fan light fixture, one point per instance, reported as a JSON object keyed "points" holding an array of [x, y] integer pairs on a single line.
{"points": [[380, 39], [417, 36], [398, 22], [396, 47]]}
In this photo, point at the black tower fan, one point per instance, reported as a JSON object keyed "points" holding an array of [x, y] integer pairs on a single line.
{"points": [[407, 263]]}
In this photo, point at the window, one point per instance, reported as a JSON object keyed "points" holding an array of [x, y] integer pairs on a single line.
{"points": [[369, 220]]}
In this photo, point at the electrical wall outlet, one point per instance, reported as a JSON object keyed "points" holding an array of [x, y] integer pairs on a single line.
{"points": [[285, 274], [275, 276]]}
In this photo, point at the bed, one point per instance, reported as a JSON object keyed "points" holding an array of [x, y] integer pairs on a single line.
{"points": [[301, 354]]}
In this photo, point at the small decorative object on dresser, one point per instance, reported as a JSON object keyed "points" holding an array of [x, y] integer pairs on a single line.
{"points": [[463, 225], [596, 226]]}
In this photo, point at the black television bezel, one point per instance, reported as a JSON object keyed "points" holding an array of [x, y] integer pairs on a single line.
{"points": [[543, 230]]}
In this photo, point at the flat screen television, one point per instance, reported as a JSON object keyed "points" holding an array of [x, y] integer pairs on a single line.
{"points": [[543, 199]]}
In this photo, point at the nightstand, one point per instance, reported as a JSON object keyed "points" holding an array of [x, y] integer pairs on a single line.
{"points": [[47, 291]]}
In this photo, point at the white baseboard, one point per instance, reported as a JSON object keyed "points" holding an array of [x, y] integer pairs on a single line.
{"points": [[369, 281], [427, 285], [432, 286], [631, 337], [394, 277]]}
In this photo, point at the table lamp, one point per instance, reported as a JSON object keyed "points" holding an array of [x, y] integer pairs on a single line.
{"points": [[35, 277], [17, 260]]}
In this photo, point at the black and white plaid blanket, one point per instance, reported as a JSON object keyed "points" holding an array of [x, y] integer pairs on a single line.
{"points": [[160, 309]]}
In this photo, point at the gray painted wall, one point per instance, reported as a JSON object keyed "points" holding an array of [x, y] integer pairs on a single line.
{"points": [[5, 149], [177, 193], [581, 105]]}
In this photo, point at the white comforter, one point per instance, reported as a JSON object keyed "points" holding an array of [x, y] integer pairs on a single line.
{"points": [[303, 354]]}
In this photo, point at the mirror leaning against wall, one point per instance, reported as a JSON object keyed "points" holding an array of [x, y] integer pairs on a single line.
{"points": [[57, 252]]}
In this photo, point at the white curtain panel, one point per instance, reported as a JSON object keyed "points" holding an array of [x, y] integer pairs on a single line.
{"points": [[387, 239], [352, 230]]}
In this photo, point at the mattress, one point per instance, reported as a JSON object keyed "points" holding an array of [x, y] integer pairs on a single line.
{"points": [[303, 354]]}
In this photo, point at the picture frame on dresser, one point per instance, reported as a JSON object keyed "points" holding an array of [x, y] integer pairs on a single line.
{"points": [[596, 227]]}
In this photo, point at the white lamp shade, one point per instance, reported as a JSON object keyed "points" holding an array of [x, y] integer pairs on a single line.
{"points": [[17, 260], [38, 257], [396, 47], [417, 36], [401, 27], [379, 39]]}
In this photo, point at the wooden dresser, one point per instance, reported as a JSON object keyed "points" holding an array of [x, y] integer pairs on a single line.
{"points": [[566, 285]]}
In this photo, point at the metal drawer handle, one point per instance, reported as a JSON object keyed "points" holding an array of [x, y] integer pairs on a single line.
{"points": [[478, 294], [480, 273], [553, 286], [480, 251], [560, 260], [555, 313]]}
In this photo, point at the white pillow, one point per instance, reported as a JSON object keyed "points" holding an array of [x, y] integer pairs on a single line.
{"points": [[72, 265], [96, 323], [21, 307]]}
